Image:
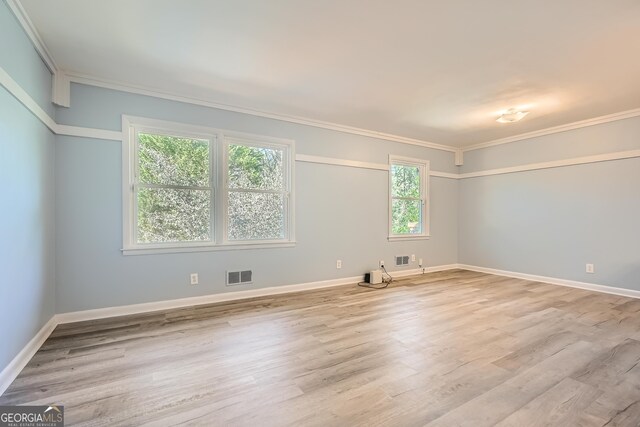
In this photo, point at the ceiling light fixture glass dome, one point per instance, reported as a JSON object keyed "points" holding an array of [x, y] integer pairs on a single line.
{"points": [[511, 116]]}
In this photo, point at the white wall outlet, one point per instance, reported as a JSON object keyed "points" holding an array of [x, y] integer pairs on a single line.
{"points": [[194, 278], [339, 263], [413, 257], [420, 262], [381, 263], [590, 268]]}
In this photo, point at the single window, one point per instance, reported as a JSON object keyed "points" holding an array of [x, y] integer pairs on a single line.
{"points": [[170, 196], [408, 184], [173, 191], [257, 191]]}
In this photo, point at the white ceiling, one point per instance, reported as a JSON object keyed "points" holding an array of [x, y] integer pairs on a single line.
{"points": [[438, 71]]}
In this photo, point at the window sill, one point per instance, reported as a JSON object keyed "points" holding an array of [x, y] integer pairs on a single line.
{"points": [[205, 248], [408, 238]]}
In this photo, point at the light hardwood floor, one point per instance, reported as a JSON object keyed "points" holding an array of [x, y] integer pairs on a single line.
{"points": [[442, 349]]}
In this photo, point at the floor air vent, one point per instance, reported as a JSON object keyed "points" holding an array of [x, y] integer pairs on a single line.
{"points": [[402, 260], [239, 277]]}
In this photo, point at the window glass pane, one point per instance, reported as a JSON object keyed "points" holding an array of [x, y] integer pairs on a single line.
{"points": [[405, 181], [406, 216], [173, 215], [254, 216], [255, 168], [170, 160]]}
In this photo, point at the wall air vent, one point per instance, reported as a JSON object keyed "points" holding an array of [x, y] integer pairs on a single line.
{"points": [[402, 260], [239, 277]]}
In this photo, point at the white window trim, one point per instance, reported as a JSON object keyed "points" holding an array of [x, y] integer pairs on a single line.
{"points": [[425, 193], [218, 141]]}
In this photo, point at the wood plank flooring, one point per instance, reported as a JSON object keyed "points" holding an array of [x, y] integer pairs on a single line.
{"points": [[454, 348]]}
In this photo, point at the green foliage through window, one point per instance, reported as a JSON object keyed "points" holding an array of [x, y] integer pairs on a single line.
{"points": [[256, 183], [167, 211], [406, 199]]}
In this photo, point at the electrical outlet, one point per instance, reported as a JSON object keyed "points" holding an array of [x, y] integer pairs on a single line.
{"points": [[381, 263], [420, 262], [413, 257], [194, 278], [590, 268], [339, 263]]}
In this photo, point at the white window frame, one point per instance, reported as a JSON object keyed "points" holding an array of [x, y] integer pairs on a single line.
{"points": [[219, 140], [423, 165]]}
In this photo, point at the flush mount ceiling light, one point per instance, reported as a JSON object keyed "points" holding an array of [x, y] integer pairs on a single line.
{"points": [[511, 115]]}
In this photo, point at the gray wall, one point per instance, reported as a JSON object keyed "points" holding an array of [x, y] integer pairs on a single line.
{"points": [[341, 212], [552, 222], [27, 297]]}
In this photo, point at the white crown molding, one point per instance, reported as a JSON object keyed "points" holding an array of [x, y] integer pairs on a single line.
{"points": [[555, 281], [24, 20], [141, 90], [61, 95], [23, 97], [557, 129], [11, 371], [620, 155], [61, 92], [61, 86]]}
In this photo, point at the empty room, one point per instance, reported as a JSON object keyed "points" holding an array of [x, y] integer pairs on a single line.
{"points": [[320, 213]]}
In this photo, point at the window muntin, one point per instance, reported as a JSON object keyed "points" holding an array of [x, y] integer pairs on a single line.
{"points": [[408, 198], [257, 191]]}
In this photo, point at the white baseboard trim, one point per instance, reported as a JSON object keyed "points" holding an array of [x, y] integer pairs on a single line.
{"points": [[416, 271], [555, 281], [124, 310], [11, 371], [101, 313]]}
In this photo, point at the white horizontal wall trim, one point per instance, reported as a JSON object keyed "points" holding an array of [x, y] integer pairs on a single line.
{"points": [[444, 175], [556, 129], [555, 281], [25, 99], [82, 79], [11, 371], [341, 162], [555, 164], [141, 90], [21, 95], [22, 17], [358, 164], [61, 95], [111, 135]]}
